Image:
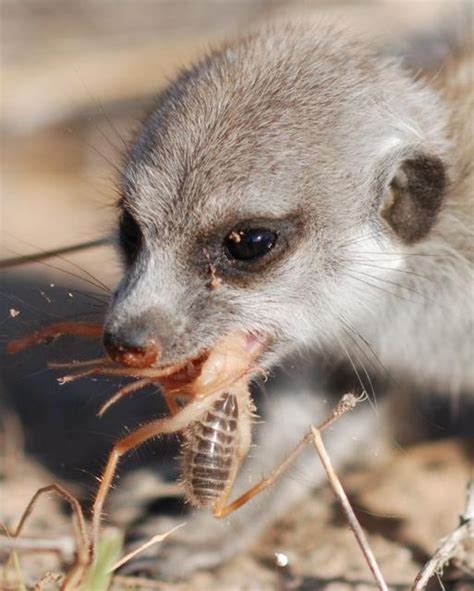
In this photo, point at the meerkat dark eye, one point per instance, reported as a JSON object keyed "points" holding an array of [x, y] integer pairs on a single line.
{"points": [[250, 244], [130, 236]]}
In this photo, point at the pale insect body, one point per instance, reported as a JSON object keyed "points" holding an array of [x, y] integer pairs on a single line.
{"points": [[214, 448], [216, 443]]}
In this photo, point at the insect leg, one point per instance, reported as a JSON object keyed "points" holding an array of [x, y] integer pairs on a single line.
{"points": [[122, 393], [132, 388], [49, 333], [149, 431], [173, 406], [222, 509], [81, 537]]}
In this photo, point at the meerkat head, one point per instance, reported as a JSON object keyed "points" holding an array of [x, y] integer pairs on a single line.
{"points": [[262, 183]]}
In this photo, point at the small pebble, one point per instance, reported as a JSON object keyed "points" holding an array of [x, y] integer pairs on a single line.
{"points": [[281, 559]]}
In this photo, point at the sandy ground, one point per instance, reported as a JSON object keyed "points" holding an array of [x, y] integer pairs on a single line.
{"points": [[406, 507]]}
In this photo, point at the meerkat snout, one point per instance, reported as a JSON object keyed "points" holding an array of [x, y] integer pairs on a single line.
{"points": [[132, 344]]}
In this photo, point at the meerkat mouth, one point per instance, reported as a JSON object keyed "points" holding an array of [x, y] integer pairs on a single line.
{"points": [[232, 357], [184, 372]]}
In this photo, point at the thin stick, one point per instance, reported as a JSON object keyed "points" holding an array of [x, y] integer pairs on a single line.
{"points": [[48, 577], [451, 546], [64, 545], [346, 506], [153, 540], [142, 583], [46, 254]]}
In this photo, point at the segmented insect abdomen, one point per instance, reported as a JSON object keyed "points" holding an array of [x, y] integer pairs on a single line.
{"points": [[210, 452]]}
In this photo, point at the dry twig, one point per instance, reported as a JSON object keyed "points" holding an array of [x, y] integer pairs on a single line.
{"points": [[63, 545], [49, 577], [142, 583], [453, 546], [346, 506], [153, 540]]}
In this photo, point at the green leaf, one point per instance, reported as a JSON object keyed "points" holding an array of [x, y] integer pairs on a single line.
{"points": [[108, 552]]}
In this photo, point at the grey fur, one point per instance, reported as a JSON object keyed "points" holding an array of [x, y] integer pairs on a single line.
{"points": [[304, 124]]}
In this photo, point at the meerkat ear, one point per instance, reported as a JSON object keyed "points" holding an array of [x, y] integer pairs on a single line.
{"points": [[411, 184]]}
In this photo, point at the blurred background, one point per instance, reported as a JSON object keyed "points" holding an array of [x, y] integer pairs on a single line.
{"points": [[76, 78]]}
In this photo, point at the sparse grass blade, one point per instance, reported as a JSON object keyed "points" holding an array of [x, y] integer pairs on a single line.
{"points": [[19, 575], [153, 540], [108, 552]]}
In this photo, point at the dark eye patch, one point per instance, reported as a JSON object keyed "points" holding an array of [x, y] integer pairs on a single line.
{"points": [[246, 252], [130, 236]]}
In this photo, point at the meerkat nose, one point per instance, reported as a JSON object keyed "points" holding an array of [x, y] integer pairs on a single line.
{"points": [[131, 352]]}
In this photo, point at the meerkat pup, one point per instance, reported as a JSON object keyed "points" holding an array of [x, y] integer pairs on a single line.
{"points": [[295, 184]]}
